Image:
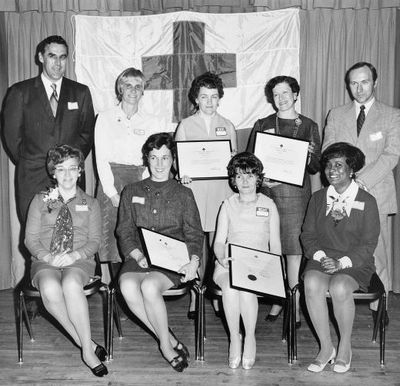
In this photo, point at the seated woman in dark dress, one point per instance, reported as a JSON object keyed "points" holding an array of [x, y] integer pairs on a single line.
{"points": [[162, 204], [340, 233], [63, 233]]}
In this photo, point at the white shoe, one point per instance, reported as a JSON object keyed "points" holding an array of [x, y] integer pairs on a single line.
{"points": [[341, 367], [248, 363], [318, 366]]}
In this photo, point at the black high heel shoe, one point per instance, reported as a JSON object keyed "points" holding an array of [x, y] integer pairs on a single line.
{"points": [[178, 363], [272, 318], [191, 315], [180, 348], [101, 352], [100, 370]]}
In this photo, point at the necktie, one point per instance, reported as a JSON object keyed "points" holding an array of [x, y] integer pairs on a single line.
{"points": [[54, 99], [360, 119]]}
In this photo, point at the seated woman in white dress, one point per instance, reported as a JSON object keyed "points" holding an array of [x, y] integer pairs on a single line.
{"points": [[249, 219]]}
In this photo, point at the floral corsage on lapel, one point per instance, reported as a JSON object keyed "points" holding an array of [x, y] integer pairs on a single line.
{"points": [[52, 198], [338, 210]]}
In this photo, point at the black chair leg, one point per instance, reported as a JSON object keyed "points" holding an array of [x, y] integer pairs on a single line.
{"points": [[200, 321], [383, 331]]}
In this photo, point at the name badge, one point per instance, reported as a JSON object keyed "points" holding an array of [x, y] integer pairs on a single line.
{"points": [[376, 136], [138, 200], [220, 131], [73, 106], [139, 132], [358, 205], [81, 208], [262, 212], [271, 131]]}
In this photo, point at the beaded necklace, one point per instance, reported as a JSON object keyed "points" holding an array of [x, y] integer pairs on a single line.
{"points": [[297, 123]]}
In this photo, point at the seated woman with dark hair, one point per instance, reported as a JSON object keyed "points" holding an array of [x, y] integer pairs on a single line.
{"points": [[340, 233], [249, 219], [63, 233], [162, 204]]}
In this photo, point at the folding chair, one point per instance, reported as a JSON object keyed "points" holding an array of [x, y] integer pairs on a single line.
{"points": [[288, 329], [28, 290], [376, 291], [183, 289]]}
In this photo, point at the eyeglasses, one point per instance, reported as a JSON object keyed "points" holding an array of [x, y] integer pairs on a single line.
{"points": [[153, 159], [71, 169], [130, 87]]}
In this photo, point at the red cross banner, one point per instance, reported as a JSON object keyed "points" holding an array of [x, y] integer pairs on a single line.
{"points": [[171, 49]]}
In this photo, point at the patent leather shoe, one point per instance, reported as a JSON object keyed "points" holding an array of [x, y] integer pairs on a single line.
{"points": [[272, 318], [317, 366], [100, 370], [191, 315], [101, 352]]}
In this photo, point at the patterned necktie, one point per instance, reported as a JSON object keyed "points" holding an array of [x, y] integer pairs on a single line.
{"points": [[54, 99], [360, 119], [63, 233]]}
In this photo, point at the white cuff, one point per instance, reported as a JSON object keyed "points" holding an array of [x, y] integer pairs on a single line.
{"points": [[346, 262], [319, 255]]}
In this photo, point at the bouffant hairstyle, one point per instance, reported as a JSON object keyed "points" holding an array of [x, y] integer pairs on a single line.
{"points": [[245, 163], [355, 158], [156, 141], [268, 90], [208, 80], [60, 153]]}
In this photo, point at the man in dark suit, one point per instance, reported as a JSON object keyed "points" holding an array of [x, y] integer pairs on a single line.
{"points": [[41, 112]]}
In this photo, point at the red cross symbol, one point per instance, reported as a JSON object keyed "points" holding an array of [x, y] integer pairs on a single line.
{"points": [[188, 60]]}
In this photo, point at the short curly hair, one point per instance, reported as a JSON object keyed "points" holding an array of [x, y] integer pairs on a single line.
{"points": [[156, 141], [208, 80], [355, 158], [60, 153], [245, 162], [268, 90]]}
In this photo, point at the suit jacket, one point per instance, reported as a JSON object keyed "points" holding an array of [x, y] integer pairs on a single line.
{"points": [[30, 130], [379, 140]]}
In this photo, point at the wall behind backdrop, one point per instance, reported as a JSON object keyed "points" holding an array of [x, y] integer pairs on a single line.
{"points": [[334, 35]]}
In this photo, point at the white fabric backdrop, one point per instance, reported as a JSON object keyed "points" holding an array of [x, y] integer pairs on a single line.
{"points": [[265, 43]]}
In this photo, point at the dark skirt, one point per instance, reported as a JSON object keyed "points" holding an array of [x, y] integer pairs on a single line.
{"points": [[131, 265], [291, 202], [361, 275], [123, 175], [86, 265]]}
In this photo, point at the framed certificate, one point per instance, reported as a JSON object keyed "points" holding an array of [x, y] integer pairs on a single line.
{"points": [[284, 158], [163, 251], [203, 160], [256, 271]]}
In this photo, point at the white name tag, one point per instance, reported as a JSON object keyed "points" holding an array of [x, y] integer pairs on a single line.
{"points": [[271, 131], [220, 131], [376, 136], [358, 205], [73, 106], [262, 212], [81, 208], [138, 200]]}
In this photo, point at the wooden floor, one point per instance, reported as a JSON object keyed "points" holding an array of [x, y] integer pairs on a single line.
{"points": [[53, 360]]}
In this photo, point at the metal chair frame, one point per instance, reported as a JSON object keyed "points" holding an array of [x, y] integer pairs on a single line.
{"points": [[172, 292], [289, 318], [376, 291], [28, 290]]}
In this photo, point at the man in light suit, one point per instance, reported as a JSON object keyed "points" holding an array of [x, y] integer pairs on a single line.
{"points": [[379, 139], [32, 125]]}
